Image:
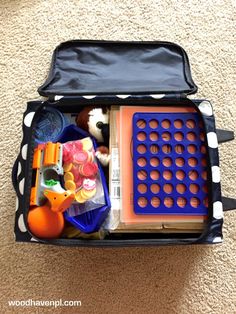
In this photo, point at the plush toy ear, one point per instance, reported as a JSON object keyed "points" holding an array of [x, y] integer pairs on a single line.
{"points": [[83, 118]]}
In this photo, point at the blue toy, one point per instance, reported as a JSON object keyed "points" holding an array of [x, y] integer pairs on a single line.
{"points": [[50, 126], [169, 164]]}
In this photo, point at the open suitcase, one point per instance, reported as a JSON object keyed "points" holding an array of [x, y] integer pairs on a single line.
{"points": [[129, 74]]}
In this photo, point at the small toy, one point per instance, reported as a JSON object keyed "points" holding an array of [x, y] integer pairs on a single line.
{"points": [[91, 221], [95, 120], [44, 223], [169, 164], [80, 169], [47, 167], [49, 126]]}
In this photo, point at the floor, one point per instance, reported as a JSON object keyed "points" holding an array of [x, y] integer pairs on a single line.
{"points": [[163, 280]]}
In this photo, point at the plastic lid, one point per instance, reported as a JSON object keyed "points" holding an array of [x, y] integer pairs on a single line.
{"points": [[106, 67], [50, 125]]}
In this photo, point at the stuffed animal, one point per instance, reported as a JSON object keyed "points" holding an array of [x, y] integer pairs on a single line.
{"points": [[95, 120]]}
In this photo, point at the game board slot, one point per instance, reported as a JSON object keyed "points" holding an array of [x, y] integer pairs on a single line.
{"points": [[178, 124], [153, 124], [203, 149], [142, 188], [166, 124], [181, 202], [166, 136], [141, 136], [178, 136], [141, 149], [167, 161], [153, 136], [193, 175], [142, 202], [142, 175], [194, 202], [154, 149], [179, 161], [180, 175], [168, 202], [155, 201], [192, 162], [155, 188], [168, 188], [141, 162], [167, 174], [191, 136], [141, 124], [154, 162], [179, 149], [190, 123], [166, 148], [154, 175], [194, 188], [181, 188], [204, 175], [192, 148]]}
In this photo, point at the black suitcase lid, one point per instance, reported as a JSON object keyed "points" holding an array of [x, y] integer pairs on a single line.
{"points": [[87, 67]]}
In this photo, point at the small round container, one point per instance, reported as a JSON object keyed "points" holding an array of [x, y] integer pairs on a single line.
{"points": [[50, 126]]}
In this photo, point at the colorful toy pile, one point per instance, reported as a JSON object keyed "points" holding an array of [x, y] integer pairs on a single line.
{"points": [[80, 169], [50, 199]]}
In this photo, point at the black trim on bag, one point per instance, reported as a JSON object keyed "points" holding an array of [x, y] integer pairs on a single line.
{"points": [[14, 173]]}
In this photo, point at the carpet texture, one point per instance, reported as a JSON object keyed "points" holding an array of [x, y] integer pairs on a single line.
{"points": [[184, 279]]}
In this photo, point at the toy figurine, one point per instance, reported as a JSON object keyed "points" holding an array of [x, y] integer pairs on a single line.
{"points": [[95, 120]]}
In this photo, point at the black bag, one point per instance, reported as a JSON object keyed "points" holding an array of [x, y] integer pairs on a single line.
{"points": [[123, 73]]}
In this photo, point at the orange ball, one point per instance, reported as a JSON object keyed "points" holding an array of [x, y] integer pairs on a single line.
{"points": [[44, 223]]}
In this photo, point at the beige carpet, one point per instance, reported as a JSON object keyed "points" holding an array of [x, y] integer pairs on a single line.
{"points": [[197, 279]]}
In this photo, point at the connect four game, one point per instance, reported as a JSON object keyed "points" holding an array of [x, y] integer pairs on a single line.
{"points": [[169, 164]]}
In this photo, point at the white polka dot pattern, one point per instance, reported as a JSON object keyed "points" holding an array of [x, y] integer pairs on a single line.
{"points": [[28, 119], [89, 96], [157, 96], [122, 96], [215, 170], [217, 240], [24, 151], [21, 224], [206, 108], [218, 210], [212, 140], [17, 204], [21, 186], [34, 240], [58, 97], [19, 169]]}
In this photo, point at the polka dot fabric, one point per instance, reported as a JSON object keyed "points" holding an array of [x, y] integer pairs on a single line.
{"points": [[20, 176]]}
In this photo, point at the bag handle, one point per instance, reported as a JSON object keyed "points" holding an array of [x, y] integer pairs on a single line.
{"points": [[224, 135], [228, 203]]}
